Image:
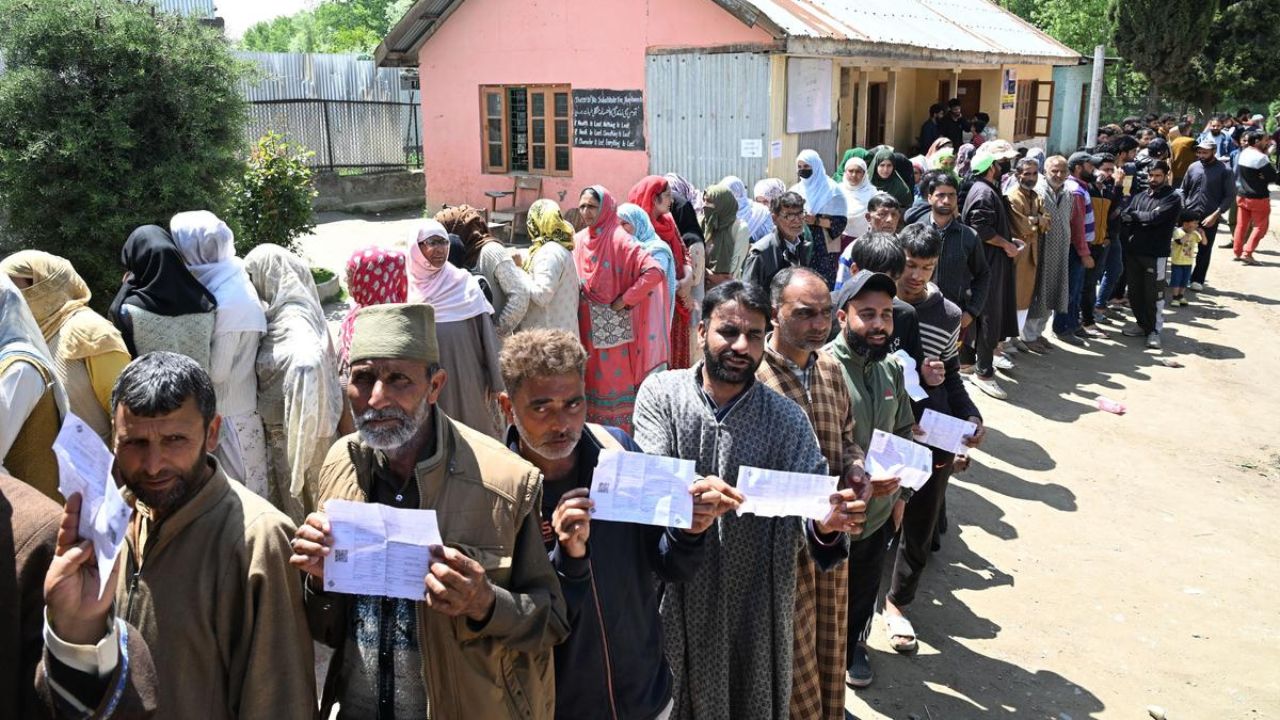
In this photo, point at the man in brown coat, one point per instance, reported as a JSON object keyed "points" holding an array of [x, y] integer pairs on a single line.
{"points": [[478, 645], [1028, 221]]}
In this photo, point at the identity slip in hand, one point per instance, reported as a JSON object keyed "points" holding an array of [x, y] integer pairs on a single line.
{"points": [[893, 456], [84, 466], [945, 432], [777, 493], [644, 489], [379, 550], [911, 376]]}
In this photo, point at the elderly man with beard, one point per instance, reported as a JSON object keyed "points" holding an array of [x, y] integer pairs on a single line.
{"points": [[1028, 221], [206, 581], [880, 402], [795, 367], [730, 630], [613, 657], [479, 642]]}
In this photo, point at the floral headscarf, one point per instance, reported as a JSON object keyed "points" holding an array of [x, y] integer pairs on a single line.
{"points": [[546, 224], [375, 276]]}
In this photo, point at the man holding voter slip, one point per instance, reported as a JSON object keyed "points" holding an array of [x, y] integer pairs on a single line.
{"points": [[605, 552], [882, 409], [797, 369], [730, 629], [426, 572]]}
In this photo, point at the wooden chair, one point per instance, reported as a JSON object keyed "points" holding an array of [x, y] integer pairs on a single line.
{"points": [[525, 190]]}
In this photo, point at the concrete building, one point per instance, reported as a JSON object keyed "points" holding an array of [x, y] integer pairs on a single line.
{"points": [[605, 92]]}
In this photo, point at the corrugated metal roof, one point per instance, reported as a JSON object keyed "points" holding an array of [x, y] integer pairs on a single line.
{"points": [[199, 9], [964, 26]]}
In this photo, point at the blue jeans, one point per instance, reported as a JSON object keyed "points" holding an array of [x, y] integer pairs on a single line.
{"points": [[1112, 274], [1069, 321], [1180, 276]]}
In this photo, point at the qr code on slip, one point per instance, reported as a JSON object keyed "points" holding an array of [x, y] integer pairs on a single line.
{"points": [[340, 555], [602, 487]]}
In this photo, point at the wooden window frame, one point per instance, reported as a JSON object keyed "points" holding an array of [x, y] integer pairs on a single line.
{"points": [[1033, 110], [544, 140]]}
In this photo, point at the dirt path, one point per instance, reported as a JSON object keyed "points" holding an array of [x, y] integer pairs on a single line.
{"points": [[1106, 563], [1096, 564]]}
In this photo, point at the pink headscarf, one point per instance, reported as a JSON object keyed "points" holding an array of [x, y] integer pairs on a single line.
{"points": [[598, 249], [375, 276], [453, 292]]}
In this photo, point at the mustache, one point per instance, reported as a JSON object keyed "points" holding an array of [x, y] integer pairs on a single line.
{"points": [[391, 413]]}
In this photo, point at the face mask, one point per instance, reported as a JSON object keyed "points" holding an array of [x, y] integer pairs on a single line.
{"points": [[806, 173]]}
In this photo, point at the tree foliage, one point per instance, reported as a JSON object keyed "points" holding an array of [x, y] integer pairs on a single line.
{"points": [[1158, 37], [333, 26], [271, 203], [1238, 60], [1081, 25], [110, 118]]}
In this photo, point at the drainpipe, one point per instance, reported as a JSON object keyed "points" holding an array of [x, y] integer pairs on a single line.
{"points": [[1095, 94]]}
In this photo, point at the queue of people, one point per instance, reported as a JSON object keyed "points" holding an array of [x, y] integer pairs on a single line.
{"points": [[777, 330]]}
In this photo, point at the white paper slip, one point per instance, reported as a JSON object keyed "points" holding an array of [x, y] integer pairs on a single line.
{"points": [[911, 376], [945, 432], [893, 456], [777, 493], [645, 489], [379, 550], [84, 466]]}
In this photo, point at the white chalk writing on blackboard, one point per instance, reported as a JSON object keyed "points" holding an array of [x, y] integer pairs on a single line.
{"points": [[612, 119]]}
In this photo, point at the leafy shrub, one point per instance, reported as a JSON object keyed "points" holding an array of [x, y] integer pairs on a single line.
{"points": [[271, 203], [111, 117], [321, 275]]}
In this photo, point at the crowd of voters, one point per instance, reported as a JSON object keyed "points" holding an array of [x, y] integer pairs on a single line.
{"points": [[722, 326]]}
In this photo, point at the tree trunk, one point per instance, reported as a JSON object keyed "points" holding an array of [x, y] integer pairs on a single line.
{"points": [[1153, 98]]}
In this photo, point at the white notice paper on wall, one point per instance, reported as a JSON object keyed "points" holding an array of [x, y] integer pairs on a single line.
{"points": [[84, 466], [777, 493], [808, 95], [752, 147], [893, 456], [379, 550], [775, 149], [644, 489], [945, 432]]}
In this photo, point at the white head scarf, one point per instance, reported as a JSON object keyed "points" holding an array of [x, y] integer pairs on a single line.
{"points": [[821, 194], [770, 189], [756, 216], [453, 292], [20, 336], [857, 196], [297, 368], [208, 248]]}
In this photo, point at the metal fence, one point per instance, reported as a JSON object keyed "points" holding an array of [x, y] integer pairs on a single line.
{"points": [[367, 135]]}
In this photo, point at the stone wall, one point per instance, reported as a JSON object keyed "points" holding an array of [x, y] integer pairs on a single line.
{"points": [[374, 192]]}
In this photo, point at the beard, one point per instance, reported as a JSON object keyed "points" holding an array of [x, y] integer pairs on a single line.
{"points": [[808, 343], [718, 368], [394, 436], [185, 485], [1028, 184], [546, 449], [859, 344]]}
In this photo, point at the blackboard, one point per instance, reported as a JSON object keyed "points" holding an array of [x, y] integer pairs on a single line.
{"points": [[612, 119]]}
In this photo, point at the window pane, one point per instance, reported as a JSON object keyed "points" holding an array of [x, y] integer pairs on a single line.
{"points": [[562, 104], [562, 132], [495, 155], [539, 104], [562, 159], [539, 157], [539, 129], [493, 104], [495, 130]]}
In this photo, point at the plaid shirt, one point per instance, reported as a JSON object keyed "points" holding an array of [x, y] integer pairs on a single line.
{"points": [[822, 598]]}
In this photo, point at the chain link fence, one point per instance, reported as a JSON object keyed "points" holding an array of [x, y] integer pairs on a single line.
{"points": [[346, 135]]}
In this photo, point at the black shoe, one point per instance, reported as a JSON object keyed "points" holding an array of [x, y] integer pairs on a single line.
{"points": [[859, 674]]}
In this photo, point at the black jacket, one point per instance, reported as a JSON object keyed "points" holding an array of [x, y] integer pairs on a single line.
{"points": [[962, 273], [1254, 172], [613, 663], [769, 256], [1149, 221]]}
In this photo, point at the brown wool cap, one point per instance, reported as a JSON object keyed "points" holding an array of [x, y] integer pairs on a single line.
{"points": [[399, 331]]}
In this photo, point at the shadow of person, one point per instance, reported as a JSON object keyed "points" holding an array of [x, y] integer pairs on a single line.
{"points": [[1054, 495], [1019, 452]]}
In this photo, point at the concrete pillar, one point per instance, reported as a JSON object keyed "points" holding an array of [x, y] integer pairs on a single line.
{"points": [[1095, 93], [864, 99]]}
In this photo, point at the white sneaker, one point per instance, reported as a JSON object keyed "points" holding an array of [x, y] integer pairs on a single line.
{"points": [[989, 386], [1153, 341], [1196, 286], [1002, 362]]}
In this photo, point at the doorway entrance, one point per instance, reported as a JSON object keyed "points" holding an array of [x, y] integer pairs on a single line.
{"points": [[969, 92], [877, 103]]}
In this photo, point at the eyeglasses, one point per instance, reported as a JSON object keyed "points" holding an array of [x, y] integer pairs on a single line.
{"points": [[434, 241], [791, 216]]}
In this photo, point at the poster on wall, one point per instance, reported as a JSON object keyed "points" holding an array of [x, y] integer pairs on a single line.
{"points": [[808, 95], [611, 119], [1009, 89]]}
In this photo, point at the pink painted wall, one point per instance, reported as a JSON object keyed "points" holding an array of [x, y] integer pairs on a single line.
{"points": [[585, 44]]}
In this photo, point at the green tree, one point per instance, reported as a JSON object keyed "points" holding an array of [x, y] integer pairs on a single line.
{"points": [[333, 26], [271, 203], [1159, 37], [1081, 25], [1238, 60], [111, 118]]}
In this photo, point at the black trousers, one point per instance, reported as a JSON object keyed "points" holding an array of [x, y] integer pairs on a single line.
{"points": [[1205, 254], [1146, 276], [918, 525], [1089, 291], [866, 564]]}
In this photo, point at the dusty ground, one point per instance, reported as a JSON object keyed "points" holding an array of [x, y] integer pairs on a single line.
{"points": [[1097, 564]]}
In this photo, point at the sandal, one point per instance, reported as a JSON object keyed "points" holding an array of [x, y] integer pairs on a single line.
{"points": [[902, 635], [1248, 260]]}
